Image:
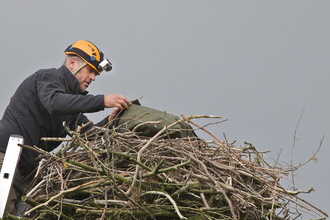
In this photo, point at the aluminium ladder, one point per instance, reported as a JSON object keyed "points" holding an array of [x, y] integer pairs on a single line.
{"points": [[7, 174]]}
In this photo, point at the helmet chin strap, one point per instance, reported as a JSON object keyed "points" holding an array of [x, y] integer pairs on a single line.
{"points": [[79, 68]]}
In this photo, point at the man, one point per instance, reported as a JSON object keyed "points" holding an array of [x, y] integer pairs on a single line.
{"points": [[50, 96]]}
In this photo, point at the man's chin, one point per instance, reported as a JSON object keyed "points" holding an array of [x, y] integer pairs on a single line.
{"points": [[81, 90]]}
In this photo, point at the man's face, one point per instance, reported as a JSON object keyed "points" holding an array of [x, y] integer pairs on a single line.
{"points": [[85, 76]]}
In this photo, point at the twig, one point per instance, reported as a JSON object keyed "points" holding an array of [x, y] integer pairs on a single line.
{"points": [[313, 156], [294, 144], [157, 171], [204, 200], [144, 123], [55, 139], [61, 193], [169, 198]]}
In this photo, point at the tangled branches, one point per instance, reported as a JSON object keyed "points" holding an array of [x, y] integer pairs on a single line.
{"points": [[103, 174]]}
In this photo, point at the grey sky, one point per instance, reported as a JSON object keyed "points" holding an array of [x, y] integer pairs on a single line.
{"points": [[259, 64]]}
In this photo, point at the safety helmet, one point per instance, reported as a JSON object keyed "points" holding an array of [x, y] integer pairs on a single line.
{"points": [[90, 54]]}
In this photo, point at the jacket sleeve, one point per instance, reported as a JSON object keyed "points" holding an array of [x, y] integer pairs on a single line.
{"points": [[51, 89]]}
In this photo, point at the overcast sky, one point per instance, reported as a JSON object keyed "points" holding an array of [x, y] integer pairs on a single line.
{"points": [[260, 64]]}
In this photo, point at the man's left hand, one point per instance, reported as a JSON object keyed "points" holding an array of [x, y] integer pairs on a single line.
{"points": [[113, 114]]}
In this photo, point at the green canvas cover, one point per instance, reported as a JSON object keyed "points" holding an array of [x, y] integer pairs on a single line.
{"points": [[136, 114]]}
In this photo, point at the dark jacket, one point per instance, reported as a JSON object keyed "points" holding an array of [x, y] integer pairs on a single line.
{"points": [[40, 105]]}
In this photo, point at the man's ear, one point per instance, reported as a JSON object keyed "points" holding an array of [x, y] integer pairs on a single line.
{"points": [[73, 64]]}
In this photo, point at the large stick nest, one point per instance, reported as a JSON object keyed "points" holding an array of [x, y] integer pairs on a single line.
{"points": [[104, 174]]}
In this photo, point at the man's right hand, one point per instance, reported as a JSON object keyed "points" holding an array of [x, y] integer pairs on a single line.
{"points": [[115, 100]]}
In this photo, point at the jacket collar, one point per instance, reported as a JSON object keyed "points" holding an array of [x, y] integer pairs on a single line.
{"points": [[72, 81]]}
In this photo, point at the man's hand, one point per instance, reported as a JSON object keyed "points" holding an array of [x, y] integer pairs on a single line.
{"points": [[113, 114], [115, 100]]}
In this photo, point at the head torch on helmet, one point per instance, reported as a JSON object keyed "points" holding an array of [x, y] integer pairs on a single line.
{"points": [[104, 65], [90, 54]]}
